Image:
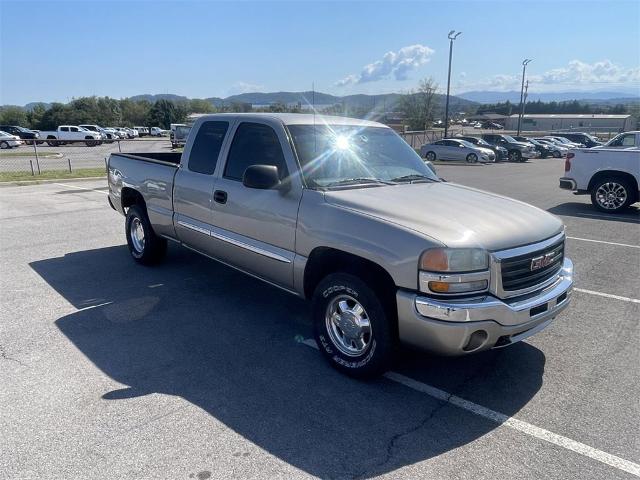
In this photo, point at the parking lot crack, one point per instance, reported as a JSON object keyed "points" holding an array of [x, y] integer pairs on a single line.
{"points": [[5, 356]]}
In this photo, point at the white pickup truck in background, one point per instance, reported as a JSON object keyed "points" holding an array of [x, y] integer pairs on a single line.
{"points": [[626, 140], [611, 176], [70, 134]]}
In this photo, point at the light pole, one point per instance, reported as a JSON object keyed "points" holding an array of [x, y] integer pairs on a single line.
{"points": [[452, 36], [525, 62]]}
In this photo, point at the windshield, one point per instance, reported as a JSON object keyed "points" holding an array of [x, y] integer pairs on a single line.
{"points": [[467, 144], [510, 139], [340, 154]]}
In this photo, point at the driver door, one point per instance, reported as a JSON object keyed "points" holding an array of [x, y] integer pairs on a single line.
{"points": [[254, 229]]}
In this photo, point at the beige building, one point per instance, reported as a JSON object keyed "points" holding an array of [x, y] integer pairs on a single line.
{"points": [[574, 122]]}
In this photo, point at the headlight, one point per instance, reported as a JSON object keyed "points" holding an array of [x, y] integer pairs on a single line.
{"points": [[454, 271], [454, 260]]}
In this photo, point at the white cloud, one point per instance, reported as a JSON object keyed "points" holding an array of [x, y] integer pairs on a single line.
{"points": [[575, 75], [245, 87], [398, 64]]}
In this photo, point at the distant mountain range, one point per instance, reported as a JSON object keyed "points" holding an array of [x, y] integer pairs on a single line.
{"points": [[625, 96], [383, 101], [388, 101]]}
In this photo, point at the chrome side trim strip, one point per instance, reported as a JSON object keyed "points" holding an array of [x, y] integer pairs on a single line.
{"points": [[193, 227], [251, 248], [233, 241]]}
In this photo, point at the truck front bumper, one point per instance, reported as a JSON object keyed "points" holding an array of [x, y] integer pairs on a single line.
{"points": [[465, 326]]}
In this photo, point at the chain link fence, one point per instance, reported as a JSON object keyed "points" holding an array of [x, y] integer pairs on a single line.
{"points": [[70, 156]]}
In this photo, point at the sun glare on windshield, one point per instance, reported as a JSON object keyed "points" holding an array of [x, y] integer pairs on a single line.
{"points": [[342, 142]]}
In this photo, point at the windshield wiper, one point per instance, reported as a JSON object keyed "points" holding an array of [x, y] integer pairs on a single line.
{"points": [[414, 177], [357, 181]]}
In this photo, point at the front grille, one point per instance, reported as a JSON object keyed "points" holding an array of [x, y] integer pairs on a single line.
{"points": [[517, 273]]}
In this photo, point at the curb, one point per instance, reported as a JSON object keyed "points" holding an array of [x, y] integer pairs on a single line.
{"points": [[24, 183]]}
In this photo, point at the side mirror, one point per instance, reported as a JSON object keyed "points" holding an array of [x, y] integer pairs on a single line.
{"points": [[264, 177]]}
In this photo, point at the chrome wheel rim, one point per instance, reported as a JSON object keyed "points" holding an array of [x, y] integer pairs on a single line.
{"points": [[348, 325], [611, 195], [136, 232], [513, 156], [431, 156], [472, 158]]}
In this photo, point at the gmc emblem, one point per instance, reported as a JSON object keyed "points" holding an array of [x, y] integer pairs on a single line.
{"points": [[541, 261]]}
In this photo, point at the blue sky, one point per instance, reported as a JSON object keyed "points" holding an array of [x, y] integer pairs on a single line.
{"points": [[55, 50]]}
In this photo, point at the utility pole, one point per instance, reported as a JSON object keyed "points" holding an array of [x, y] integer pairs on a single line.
{"points": [[525, 62], [452, 36]]}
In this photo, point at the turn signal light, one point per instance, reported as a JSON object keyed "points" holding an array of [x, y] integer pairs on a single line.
{"points": [[567, 162]]}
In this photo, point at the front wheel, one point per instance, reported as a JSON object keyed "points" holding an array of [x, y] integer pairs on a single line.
{"points": [[556, 154], [472, 158], [431, 156], [515, 156], [4, 145], [612, 195], [144, 245], [353, 330]]}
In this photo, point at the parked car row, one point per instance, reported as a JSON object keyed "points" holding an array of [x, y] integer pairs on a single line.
{"points": [[90, 134]]}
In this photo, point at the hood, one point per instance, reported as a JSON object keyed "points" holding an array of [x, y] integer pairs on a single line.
{"points": [[454, 215]]}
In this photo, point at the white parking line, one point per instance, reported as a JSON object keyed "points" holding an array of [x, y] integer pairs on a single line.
{"points": [[602, 241], [505, 420], [75, 187], [607, 295]]}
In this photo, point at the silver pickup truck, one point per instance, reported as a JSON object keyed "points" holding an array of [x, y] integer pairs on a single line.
{"points": [[344, 213]]}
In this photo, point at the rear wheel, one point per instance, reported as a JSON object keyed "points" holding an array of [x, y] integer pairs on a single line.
{"points": [[431, 156], [144, 245], [612, 195], [51, 141], [353, 329]]}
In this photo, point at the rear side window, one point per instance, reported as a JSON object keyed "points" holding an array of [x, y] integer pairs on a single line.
{"points": [[254, 144], [206, 147]]}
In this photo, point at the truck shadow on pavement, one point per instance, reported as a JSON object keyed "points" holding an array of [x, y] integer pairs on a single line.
{"points": [[586, 210], [230, 345]]}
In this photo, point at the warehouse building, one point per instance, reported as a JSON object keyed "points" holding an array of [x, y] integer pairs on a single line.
{"points": [[578, 122]]}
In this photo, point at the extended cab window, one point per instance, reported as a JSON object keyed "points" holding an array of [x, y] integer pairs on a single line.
{"points": [[206, 147], [254, 144]]}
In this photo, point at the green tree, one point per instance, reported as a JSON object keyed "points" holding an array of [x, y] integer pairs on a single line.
{"points": [[165, 112], [13, 115], [34, 116], [199, 105]]}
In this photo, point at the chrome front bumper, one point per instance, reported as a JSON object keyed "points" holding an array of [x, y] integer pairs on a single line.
{"points": [[465, 326]]}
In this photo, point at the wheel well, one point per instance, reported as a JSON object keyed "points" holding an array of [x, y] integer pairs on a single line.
{"points": [[615, 174], [51, 137], [130, 197], [323, 261]]}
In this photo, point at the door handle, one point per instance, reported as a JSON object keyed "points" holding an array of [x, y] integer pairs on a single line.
{"points": [[220, 196]]}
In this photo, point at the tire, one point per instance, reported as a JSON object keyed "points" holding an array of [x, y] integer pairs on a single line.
{"points": [[556, 154], [612, 195], [351, 348], [472, 158], [90, 143], [145, 246], [431, 156], [4, 145], [51, 141], [515, 156]]}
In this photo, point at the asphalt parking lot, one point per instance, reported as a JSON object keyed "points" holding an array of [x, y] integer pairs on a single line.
{"points": [[192, 370], [58, 157]]}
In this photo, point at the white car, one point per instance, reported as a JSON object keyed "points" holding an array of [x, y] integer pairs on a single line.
{"points": [[626, 140], [71, 134], [9, 141], [454, 149], [611, 176], [557, 148], [157, 132], [565, 141]]}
